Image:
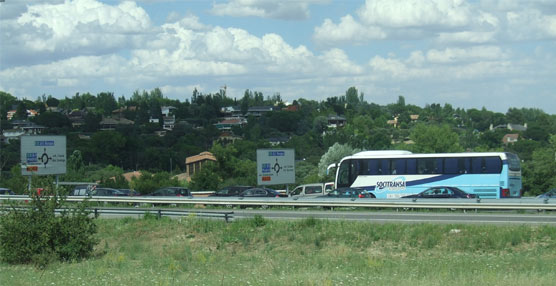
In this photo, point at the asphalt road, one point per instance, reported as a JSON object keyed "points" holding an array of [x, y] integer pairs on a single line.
{"points": [[456, 217]]}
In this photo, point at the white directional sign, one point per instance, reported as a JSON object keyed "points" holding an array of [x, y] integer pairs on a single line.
{"points": [[275, 167], [43, 155]]}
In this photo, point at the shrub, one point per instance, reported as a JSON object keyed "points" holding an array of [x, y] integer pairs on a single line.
{"points": [[36, 235], [258, 221]]}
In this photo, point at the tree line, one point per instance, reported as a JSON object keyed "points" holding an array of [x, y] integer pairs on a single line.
{"points": [[368, 126]]}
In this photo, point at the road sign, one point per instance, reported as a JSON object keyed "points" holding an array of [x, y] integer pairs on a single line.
{"points": [[43, 155], [275, 167]]}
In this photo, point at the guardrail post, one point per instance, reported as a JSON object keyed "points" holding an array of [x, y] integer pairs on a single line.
{"points": [[226, 217], [159, 213], [96, 212]]}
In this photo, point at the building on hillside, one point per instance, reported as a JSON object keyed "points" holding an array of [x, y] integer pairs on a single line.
{"points": [[109, 123], [195, 163], [120, 112], [393, 122], [510, 139], [414, 117], [292, 108], [30, 113], [335, 121], [77, 117], [227, 137], [258, 111], [21, 127], [167, 110], [228, 123], [231, 111], [275, 141], [510, 126], [168, 122]]}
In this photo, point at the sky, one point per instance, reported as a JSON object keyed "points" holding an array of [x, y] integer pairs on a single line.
{"points": [[495, 54]]}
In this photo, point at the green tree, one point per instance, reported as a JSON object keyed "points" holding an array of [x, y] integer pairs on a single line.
{"points": [[107, 147], [52, 120], [434, 139], [6, 102], [149, 182], [106, 103], [21, 111], [352, 97], [208, 179], [334, 154], [75, 165], [52, 101], [539, 174]]}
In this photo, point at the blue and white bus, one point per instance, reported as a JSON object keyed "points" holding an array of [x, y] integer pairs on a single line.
{"points": [[394, 174]]}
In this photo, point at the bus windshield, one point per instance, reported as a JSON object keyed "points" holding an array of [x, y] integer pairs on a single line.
{"points": [[343, 175]]}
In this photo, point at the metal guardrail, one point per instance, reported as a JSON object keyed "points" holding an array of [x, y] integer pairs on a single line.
{"points": [[227, 216], [493, 204]]}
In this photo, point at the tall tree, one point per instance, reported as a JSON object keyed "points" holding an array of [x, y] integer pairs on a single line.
{"points": [[435, 139], [334, 154]]}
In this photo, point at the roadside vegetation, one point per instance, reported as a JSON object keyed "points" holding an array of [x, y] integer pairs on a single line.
{"points": [[32, 233], [192, 251]]}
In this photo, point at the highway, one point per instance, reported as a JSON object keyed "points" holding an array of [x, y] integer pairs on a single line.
{"points": [[456, 217], [409, 216]]}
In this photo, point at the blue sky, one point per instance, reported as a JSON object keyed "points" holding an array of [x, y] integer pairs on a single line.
{"points": [[471, 54]]}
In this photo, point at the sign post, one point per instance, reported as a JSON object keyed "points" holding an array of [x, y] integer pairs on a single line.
{"points": [[275, 167], [43, 155]]}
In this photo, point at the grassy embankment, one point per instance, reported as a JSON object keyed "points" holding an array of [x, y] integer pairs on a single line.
{"points": [[193, 251]]}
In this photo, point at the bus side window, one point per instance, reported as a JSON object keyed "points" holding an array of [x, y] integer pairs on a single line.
{"points": [[451, 166], [463, 165], [439, 168], [477, 165], [426, 166], [385, 166], [373, 167], [493, 165], [364, 167], [399, 166], [411, 166]]}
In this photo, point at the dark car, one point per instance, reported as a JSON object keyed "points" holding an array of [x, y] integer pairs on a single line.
{"points": [[82, 190], [348, 193], [6, 191], [130, 192], [230, 191], [548, 195], [106, 192], [442, 193], [260, 192], [171, 192]]}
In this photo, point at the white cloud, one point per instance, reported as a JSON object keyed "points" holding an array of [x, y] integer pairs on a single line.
{"points": [[348, 30], [471, 37], [415, 13], [530, 24], [286, 10], [453, 55], [81, 17], [339, 63], [462, 48], [392, 68], [449, 21], [72, 28]]}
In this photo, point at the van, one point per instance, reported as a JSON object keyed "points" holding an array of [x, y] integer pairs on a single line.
{"points": [[313, 190]]}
